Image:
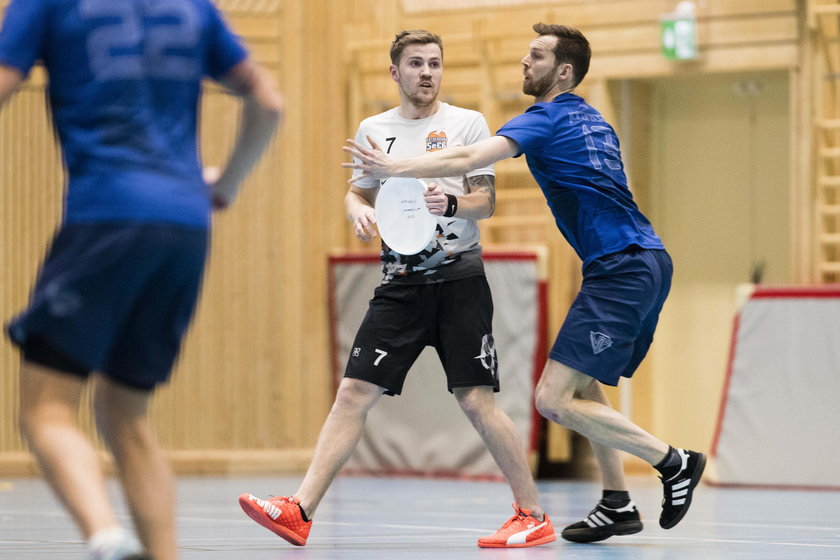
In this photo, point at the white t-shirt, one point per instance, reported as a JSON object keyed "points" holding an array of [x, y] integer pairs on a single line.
{"points": [[455, 252]]}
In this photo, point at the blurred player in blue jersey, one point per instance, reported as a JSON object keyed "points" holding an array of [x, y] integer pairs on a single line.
{"points": [[117, 289], [574, 156]]}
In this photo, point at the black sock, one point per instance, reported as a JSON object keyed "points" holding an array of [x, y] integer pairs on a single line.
{"points": [[615, 499], [671, 464]]}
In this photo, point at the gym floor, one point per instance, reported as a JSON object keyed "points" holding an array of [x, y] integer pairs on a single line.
{"points": [[406, 518]]}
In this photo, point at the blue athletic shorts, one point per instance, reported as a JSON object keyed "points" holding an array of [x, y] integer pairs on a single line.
{"points": [[610, 325], [114, 298]]}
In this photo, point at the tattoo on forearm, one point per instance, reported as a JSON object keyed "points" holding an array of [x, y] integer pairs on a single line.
{"points": [[483, 183]]}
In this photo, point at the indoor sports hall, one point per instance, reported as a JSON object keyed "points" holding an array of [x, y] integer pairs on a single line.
{"points": [[728, 117]]}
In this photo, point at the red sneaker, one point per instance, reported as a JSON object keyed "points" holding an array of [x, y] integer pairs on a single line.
{"points": [[520, 531], [280, 514]]}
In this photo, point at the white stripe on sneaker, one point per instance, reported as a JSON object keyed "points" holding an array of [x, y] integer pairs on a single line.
{"points": [[681, 484], [679, 492], [606, 520], [683, 465], [684, 456], [629, 507], [522, 536], [270, 509]]}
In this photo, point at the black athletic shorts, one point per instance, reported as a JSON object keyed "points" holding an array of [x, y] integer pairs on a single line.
{"points": [[114, 298], [455, 317]]}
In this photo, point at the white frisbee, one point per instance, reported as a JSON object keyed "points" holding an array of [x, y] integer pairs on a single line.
{"points": [[402, 217]]}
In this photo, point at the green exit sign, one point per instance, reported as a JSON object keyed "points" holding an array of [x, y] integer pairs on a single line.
{"points": [[679, 33]]}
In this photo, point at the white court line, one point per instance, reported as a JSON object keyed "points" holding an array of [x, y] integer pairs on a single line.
{"points": [[33, 513], [734, 541], [336, 537], [450, 529], [483, 531], [39, 541], [393, 526], [698, 523], [246, 521], [238, 541], [764, 526]]}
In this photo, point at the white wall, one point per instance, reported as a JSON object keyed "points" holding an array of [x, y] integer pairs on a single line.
{"points": [[718, 194]]}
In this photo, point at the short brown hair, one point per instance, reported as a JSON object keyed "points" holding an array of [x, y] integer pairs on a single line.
{"points": [[412, 37], [572, 47]]}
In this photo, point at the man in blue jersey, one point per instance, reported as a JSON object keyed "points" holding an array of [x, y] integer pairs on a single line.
{"points": [[118, 287], [573, 154]]}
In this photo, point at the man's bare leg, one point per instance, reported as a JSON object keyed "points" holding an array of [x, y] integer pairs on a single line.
{"points": [[144, 470], [615, 514], [338, 439], [560, 398], [49, 401], [609, 459], [499, 434]]}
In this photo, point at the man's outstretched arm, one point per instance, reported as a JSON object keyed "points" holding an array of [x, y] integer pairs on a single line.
{"points": [[458, 160]]}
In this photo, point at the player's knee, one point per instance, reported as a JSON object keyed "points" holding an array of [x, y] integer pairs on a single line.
{"points": [[356, 395], [476, 402], [553, 408], [121, 411], [122, 434], [36, 417]]}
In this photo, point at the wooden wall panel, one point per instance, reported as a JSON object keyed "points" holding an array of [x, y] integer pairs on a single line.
{"points": [[252, 385]]}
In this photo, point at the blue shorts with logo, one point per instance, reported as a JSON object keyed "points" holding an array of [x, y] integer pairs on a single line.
{"points": [[610, 325], [114, 298]]}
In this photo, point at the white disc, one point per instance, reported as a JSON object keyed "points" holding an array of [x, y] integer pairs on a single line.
{"points": [[402, 217]]}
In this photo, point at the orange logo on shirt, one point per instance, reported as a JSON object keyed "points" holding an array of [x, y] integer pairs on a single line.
{"points": [[436, 140]]}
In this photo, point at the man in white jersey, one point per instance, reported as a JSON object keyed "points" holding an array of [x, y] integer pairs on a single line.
{"points": [[438, 297]]}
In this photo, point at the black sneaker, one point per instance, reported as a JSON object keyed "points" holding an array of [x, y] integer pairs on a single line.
{"points": [[679, 488], [603, 523]]}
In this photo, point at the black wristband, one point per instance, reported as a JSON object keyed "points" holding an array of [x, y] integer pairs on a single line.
{"points": [[451, 205]]}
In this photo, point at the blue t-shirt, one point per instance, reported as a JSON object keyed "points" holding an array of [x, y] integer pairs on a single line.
{"points": [[124, 86], [573, 154]]}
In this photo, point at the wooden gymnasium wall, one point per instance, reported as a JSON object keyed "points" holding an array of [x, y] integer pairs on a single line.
{"points": [[252, 387], [253, 384]]}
